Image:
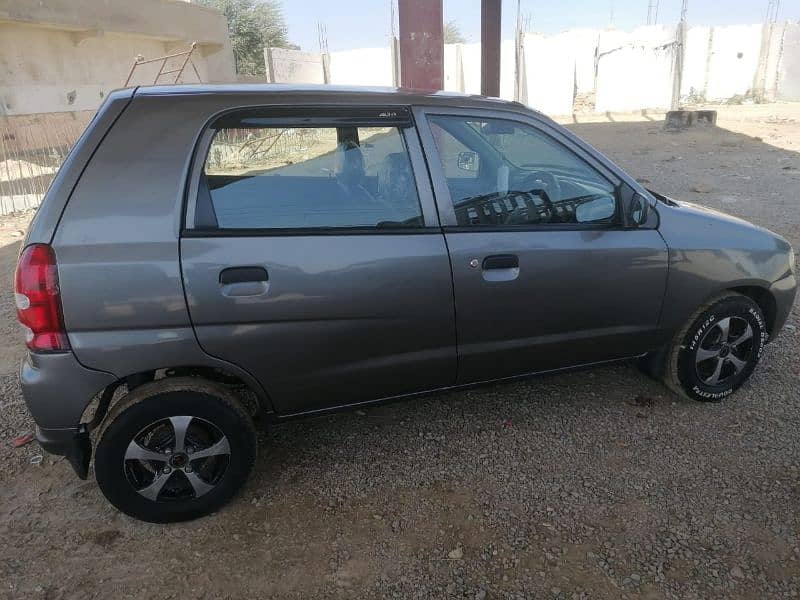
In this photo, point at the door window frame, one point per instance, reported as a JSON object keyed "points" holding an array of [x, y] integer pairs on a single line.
{"points": [[304, 116], [444, 202]]}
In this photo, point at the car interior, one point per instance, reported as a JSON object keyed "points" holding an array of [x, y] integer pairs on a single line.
{"points": [[327, 191], [496, 191]]}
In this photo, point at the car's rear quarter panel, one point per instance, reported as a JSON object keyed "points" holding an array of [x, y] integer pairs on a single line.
{"points": [[118, 243], [44, 223]]}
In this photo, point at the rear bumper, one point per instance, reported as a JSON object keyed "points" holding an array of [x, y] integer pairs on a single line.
{"points": [[57, 389], [73, 444], [784, 291]]}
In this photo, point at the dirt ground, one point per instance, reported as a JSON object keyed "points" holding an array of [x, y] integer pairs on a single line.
{"points": [[590, 484]]}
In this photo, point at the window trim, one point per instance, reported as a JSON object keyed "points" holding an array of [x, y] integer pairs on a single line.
{"points": [[307, 231], [444, 201], [398, 116]]}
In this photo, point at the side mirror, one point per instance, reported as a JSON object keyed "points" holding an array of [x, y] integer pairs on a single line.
{"points": [[467, 161], [598, 208], [637, 211]]}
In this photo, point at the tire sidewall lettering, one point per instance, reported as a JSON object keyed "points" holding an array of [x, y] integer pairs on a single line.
{"points": [[686, 363], [700, 333]]}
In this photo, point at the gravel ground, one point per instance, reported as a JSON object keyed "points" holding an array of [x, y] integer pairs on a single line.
{"points": [[592, 484]]}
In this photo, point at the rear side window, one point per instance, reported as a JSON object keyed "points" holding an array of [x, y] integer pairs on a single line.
{"points": [[310, 177]]}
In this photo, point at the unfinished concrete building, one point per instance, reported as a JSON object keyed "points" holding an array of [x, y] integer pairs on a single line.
{"points": [[58, 60]]}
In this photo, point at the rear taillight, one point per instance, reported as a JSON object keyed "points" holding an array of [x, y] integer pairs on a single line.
{"points": [[38, 300]]}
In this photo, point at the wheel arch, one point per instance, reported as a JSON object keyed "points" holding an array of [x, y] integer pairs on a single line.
{"points": [[765, 300], [97, 411]]}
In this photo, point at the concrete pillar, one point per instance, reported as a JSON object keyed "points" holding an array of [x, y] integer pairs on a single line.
{"points": [[421, 44], [490, 47], [677, 69]]}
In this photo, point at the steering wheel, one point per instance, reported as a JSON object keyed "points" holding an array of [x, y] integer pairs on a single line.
{"points": [[543, 180], [546, 182]]}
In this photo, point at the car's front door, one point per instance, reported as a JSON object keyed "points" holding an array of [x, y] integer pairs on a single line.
{"points": [[545, 273], [313, 256]]}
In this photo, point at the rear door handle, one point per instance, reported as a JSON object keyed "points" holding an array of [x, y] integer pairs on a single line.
{"points": [[501, 261], [243, 275]]}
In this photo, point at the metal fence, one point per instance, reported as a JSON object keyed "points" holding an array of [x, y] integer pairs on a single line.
{"points": [[31, 151]]}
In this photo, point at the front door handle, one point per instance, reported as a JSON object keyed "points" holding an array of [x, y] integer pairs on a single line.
{"points": [[501, 261], [242, 275], [240, 282]]}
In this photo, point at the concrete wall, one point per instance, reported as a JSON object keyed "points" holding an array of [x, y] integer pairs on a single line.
{"points": [[453, 68], [59, 59], [696, 63], [365, 66], [549, 73], [44, 70], [462, 68], [733, 61], [772, 51], [788, 71], [635, 70], [471, 68], [611, 70], [284, 65], [65, 55]]}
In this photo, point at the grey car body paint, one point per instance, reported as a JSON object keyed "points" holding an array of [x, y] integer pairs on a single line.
{"points": [[57, 387], [112, 325], [43, 226], [553, 313], [119, 241], [345, 319], [710, 252]]}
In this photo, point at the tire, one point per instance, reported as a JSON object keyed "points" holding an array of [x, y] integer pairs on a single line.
{"points": [[704, 365], [144, 470]]}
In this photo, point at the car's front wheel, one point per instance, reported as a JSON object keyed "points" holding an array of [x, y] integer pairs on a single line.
{"points": [[174, 449], [718, 348]]}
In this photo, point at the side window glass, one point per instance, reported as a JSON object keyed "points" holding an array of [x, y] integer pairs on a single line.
{"points": [[310, 177], [524, 177], [458, 161]]}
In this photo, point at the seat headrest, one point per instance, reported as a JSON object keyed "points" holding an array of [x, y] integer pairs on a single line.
{"points": [[349, 167]]}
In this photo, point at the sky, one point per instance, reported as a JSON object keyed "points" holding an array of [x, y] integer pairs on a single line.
{"points": [[365, 23]]}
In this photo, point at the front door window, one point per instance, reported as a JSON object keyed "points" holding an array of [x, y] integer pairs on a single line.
{"points": [[506, 173]]}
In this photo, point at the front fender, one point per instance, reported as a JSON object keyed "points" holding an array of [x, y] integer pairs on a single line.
{"points": [[710, 252]]}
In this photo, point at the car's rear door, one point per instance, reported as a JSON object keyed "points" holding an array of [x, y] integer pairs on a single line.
{"points": [[312, 255], [546, 273]]}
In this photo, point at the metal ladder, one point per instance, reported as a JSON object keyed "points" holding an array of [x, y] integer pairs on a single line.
{"points": [[187, 60]]}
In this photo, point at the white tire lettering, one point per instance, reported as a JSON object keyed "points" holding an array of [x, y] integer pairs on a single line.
{"points": [[762, 337]]}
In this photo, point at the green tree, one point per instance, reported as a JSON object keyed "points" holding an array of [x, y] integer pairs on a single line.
{"points": [[452, 33], [252, 26]]}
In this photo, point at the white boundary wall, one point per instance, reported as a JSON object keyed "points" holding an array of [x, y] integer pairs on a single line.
{"points": [[549, 81], [733, 61], [611, 70], [788, 70], [635, 70], [294, 65], [365, 66]]}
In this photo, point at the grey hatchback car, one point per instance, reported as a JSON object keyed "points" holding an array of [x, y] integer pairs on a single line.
{"points": [[211, 255]]}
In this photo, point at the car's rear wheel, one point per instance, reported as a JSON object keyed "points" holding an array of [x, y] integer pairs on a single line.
{"points": [[718, 348], [174, 450]]}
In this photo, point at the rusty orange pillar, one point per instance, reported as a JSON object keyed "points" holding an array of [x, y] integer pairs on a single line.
{"points": [[490, 47], [421, 44]]}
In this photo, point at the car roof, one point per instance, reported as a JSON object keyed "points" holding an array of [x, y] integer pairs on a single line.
{"points": [[282, 93]]}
